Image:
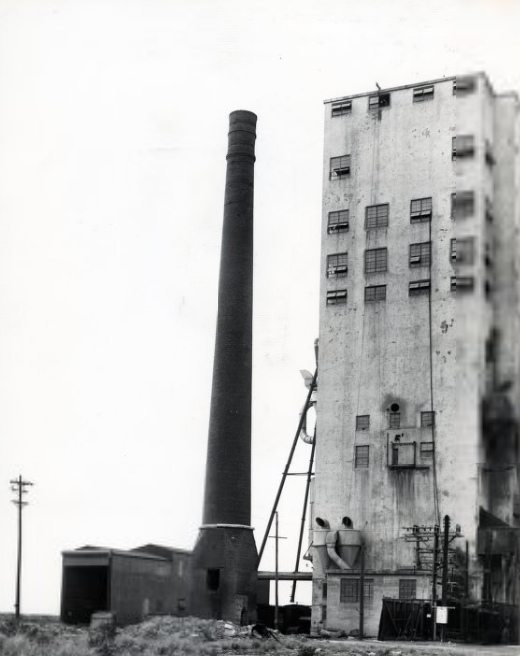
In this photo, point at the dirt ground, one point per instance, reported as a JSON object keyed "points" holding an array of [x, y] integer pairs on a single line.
{"points": [[171, 636]]}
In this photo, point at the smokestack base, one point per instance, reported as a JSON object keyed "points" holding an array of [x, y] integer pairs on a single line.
{"points": [[224, 574]]}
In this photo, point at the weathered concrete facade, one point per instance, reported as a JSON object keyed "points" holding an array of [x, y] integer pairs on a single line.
{"points": [[403, 374]]}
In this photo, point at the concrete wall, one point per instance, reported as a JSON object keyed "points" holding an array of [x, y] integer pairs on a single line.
{"points": [[423, 352]]}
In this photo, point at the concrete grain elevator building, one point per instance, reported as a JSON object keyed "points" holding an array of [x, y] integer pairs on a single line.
{"points": [[418, 361]]}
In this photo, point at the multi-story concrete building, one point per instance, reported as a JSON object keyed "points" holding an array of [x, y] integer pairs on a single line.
{"points": [[418, 361]]}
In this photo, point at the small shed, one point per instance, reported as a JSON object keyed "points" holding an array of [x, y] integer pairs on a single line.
{"points": [[132, 584]]}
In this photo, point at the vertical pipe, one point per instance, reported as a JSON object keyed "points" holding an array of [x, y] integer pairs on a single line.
{"points": [[445, 548], [276, 611], [362, 592], [227, 496], [434, 578]]}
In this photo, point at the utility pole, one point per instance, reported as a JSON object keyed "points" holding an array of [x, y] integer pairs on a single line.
{"points": [[434, 578], [19, 486], [362, 592]]}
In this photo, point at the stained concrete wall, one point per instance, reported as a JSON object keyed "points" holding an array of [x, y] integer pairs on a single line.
{"points": [[421, 352]]}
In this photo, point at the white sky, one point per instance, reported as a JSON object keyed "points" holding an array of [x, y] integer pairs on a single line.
{"points": [[113, 136]]}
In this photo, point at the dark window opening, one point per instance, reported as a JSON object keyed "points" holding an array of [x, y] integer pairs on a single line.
{"points": [[379, 100], [213, 579]]}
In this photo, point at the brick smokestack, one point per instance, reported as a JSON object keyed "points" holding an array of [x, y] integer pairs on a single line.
{"points": [[224, 564], [227, 497]]}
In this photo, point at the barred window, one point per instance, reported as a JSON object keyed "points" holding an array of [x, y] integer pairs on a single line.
{"points": [[362, 422], [349, 590], [361, 457], [427, 418], [464, 85], [463, 204], [463, 145], [337, 265], [420, 94], [394, 420], [339, 166], [426, 450], [338, 221], [375, 293], [379, 100], [462, 283], [421, 210], [337, 297], [407, 588], [376, 216], [464, 250], [420, 254], [340, 108], [418, 287], [376, 260]]}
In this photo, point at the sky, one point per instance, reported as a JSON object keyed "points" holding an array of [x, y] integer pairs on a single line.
{"points": [[113, 137]]}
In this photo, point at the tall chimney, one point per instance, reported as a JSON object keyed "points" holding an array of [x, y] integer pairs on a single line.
{"points": [[224, 575]]}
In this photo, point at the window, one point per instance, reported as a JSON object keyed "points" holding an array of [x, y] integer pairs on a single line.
{"points": [[419, 287], [375, 293], [420, 94], [213, 579], [420, 254], [488, 154], [337, 265], [427, 418], [426, 450], [376, 260], [463, 204], [489, 210], [340, 108], [462, 283], [349, 590], [453, 250], [464, 85], [339, 167], [407, 588], [376, 216], [379, 100], [463, 146], [463, 249], [394, 420], [361, 457], [362, 422], [337, 297], [421, 210], [338, 221]]}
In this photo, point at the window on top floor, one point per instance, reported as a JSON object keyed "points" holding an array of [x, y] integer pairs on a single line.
{"points": [[340, 108], [379, 100], [420, 94], [464, 85]]}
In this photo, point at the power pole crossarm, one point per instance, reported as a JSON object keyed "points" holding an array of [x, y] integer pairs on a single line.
{"points": [[18, 486]]}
